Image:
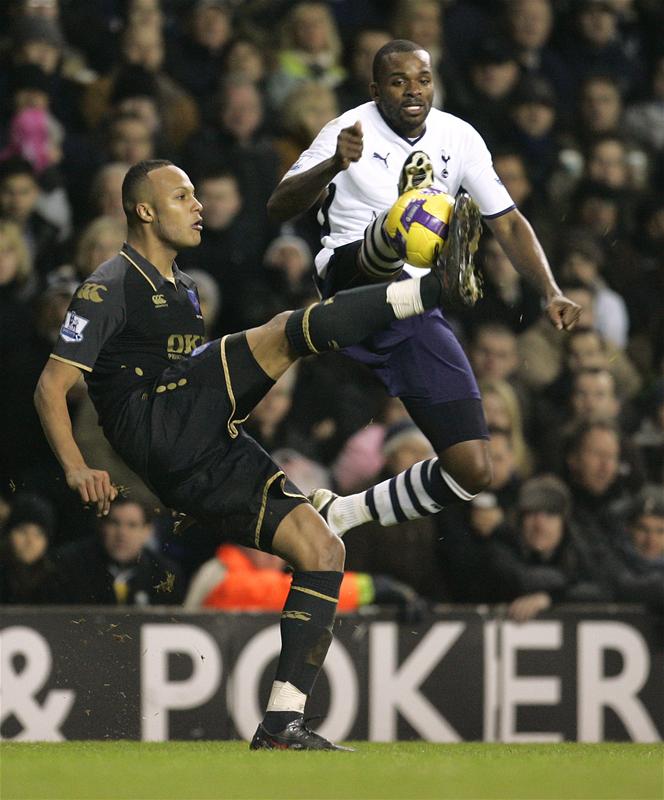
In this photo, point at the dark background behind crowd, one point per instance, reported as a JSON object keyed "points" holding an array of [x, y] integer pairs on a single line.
{"points": [[568, 94]]}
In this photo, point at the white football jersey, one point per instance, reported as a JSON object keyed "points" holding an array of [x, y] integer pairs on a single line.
{"points": [[369, 186]]}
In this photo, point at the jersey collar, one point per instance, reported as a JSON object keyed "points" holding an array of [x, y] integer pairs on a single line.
{"points": [[411, 142], [147, 269]]}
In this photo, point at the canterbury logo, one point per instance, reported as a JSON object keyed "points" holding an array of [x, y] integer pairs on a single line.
{"points": [[91, 291], [159, 300], [301, 615]]}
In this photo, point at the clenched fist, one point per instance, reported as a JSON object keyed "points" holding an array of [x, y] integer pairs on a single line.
{"points": [[563, 313], [349, 146]]}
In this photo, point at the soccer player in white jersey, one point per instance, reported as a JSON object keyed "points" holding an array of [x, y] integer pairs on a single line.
{"points": [[357, 166]]}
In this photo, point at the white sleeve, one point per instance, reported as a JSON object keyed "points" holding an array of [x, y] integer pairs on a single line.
{"points": [[480, 179], [323, 146]]}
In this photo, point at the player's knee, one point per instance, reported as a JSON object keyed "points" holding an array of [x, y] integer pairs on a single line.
{"points": [[472, 471], [328, 552], [478, 474]]}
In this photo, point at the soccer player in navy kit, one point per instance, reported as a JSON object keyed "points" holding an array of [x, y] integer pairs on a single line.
{"points": [[172, 406], [357, 165]]}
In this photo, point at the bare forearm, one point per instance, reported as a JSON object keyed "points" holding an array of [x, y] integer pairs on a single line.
{"points": [[51, 405], [522, 247], [299, 192]]}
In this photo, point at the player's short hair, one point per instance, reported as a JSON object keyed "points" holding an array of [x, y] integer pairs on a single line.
{"points": [[395, 46], [133, 181]]}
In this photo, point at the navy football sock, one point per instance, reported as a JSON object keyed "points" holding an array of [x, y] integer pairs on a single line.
{"points": [[354, 314], [306, 634]]}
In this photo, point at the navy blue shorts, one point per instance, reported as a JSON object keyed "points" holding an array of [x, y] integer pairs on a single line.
{"points": [[200, 460], [419, 360]]}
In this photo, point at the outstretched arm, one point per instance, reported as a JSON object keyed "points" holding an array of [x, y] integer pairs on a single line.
{"points": [[522, 247], [93, 485], [298, 193]]}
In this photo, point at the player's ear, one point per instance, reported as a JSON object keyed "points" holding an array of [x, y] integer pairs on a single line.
{"points": [[374, 91], [144, 212]]}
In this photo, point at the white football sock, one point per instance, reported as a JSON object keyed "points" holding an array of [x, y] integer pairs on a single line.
{"points": [[286, 697], [345, 513]]}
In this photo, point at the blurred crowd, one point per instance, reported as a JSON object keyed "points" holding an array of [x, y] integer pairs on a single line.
{"points": [[568, 94]]}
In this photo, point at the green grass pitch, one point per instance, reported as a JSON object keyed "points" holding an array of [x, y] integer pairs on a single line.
{"points": [[400, 771]]}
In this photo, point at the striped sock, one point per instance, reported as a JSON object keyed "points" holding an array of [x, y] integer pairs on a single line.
{"points": [[419, 491], [378, 258]]}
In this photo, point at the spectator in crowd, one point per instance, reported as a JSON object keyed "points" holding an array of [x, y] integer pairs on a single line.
{"points": [[116, 565], [503, 410], [196, 57], [593, 462], [18, 282], [592, 396], [493, 76], [27, 574], [532, 109], [210, 298], [542, 561], [287, 270], [582, 260], [493, 352], [34, 133], [106, 192], [585, 349], [600, 107], [364, 45], [463, 547], [510, 166], [244, 58], [308, 108], [129, 139], [271, 422], [645, 120], [541, 356], [421, 21], [100, 240], [649, 438], [19, 198], [595, 45], [530, 26], [39, 41], [236, 138], [144, 47], [232, 243], [310, 51], [136, 92]]}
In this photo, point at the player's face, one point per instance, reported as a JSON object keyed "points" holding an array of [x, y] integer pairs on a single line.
{"points": [[404, 91], [176, 212]]}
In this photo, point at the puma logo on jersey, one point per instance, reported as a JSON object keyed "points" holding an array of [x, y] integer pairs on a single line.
{"points": [[159, 300], [382, 158], [91, 291]]}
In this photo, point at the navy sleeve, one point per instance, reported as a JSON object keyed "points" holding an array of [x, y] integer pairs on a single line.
{"points": [[96, 313]]}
